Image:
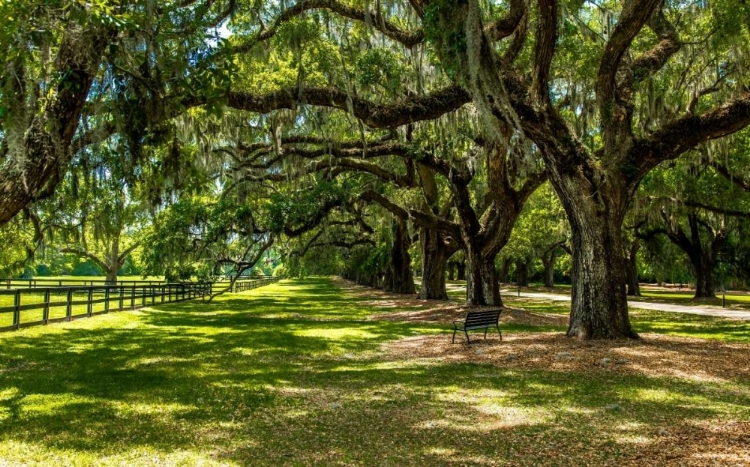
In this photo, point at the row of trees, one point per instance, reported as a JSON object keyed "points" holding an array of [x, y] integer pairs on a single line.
{"points": [[354, 131]]}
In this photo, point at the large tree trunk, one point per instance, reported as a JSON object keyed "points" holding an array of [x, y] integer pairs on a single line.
{"points": [[113, 263], [482, 287], [599, 307], [596, 211], [490, 283], [399, 278], [634, 288], [703, 267], [522, 272], [111, 275], [549, 261], [474, 288], [434, 257], [461, 270], [504, 268]]}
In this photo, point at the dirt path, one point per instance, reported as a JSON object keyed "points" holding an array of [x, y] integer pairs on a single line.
{"points": [[690, 309]]}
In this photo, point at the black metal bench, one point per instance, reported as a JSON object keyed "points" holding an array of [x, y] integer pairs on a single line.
{"points": [[484, 319]]}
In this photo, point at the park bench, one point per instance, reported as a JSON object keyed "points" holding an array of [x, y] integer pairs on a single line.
{"points": [[484, 319]]}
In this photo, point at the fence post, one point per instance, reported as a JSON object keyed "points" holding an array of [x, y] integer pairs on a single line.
{"points": [[45, 313], [121, 291], [132, 298], [17, 309], [143, 296], [153, 294], [106, 299], [69, 305], [89, 305]]}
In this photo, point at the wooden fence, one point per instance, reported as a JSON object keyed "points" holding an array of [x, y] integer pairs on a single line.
{"points": [[34, 306], [44, 301], [253, 283], [36, 283]]}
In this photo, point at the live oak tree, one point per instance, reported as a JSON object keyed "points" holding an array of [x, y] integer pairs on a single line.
{"points": [[596, 169], [698, 209], [98, 220], [100, 210]]}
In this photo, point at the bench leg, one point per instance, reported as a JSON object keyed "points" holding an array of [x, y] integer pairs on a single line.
{"points": [[485, 332], [468, 341], [498, 331], [453, 340]]}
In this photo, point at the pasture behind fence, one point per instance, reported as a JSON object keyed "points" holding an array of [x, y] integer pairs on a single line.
{"points": [[43, 305]]}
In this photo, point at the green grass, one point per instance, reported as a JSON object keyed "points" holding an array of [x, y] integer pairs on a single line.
{"points": [[735, 300], [293, 374]]}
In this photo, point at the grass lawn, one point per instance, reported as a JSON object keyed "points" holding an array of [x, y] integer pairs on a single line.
{"points": [[316, 372]]}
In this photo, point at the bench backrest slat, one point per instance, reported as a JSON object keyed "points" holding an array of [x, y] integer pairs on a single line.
{"points": [[474, 318]]}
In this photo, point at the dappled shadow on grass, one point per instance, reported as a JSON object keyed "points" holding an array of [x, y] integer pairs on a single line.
{"points": [[294, 374]]}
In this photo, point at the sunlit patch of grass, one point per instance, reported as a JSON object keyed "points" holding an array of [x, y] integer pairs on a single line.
{"points": [[739, 300], [689, 325]]}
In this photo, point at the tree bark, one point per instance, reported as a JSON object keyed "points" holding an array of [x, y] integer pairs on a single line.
{"points": [[490, 283], [482, 287], [634, 288], [434, 258], [111, 276], [703, 267], [599, 308], [504, 268], [399, 278], [474, 288], [522, 272], [549, 261], [461, 270]]}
